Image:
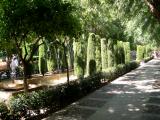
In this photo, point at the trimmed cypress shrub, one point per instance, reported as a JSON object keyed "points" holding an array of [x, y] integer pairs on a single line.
{"points": [[104, 53], [148, 51], [121, 54], [140, 53], [51, 59], [110, 53], [127, 51], [79, 62], [42, 58], [91, 55], [116, 55], [70, 54], [62, 63], [98, 53]]}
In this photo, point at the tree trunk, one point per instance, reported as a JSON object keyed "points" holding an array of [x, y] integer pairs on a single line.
{"points": [[65, 57], [25, 83]]}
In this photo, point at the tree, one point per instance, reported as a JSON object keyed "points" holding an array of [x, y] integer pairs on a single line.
{"points": [[43, 18], [154, 6]]}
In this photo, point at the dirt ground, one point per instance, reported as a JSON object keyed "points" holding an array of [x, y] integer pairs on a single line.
{"points": [[3, 65]]}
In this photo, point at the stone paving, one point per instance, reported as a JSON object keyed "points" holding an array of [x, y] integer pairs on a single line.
{"points": [[130, 97]]}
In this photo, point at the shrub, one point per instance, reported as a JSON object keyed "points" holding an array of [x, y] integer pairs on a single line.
{"points": [[92, 67], [42, 58], [140, 53], [148, 59], [98, 54], [71, 92], [127, 51], [90, 53], [51, 58], [79, 62], [114, 72], [104, 54], [120, 53], [110, 53], [19, 104], [3, 111]]}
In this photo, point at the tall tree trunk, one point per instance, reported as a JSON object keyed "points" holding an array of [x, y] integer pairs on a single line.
{"points": [[25, 83]]}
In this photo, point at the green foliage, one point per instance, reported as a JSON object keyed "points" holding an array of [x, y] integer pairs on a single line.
{"points": [[51, 58], [116, 55], [92, 67], [120, 53], [62, 62], [19, 104], [58, 96], [91, 54], [104, 53], [140, 52], [3, 111], [42, 58], [127, 51], [148, 50], [79, 61], [98, 54], [148, 59], [114, 72], [38, 16], [110, 53]]}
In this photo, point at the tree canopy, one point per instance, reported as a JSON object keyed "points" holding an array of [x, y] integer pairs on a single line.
{"points": [[23, 23]]}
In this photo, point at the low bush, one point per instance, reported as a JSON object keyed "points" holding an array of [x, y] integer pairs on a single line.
{"points": [[3, 111], [148, 59], [114, 72]]}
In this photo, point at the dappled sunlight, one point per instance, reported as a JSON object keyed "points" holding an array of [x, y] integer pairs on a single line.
{"points": [[111, 110], [121, 92], [132, 108], [60, 81], [36, 81], [4, 95]]}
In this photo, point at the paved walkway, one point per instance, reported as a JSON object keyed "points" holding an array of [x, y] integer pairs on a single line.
{"points": [[130, 97]]}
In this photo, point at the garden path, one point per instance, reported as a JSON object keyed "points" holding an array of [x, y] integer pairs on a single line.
{"points": [[130, 97]]}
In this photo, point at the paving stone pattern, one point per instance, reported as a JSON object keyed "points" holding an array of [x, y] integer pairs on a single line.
{"points": [[130, 97]]}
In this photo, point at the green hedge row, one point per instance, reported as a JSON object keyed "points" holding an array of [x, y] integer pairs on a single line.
{"points": [[38, 102], [119, 70]]}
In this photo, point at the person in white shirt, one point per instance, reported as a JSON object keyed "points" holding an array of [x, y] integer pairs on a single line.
{"points": [[13, 66]]}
